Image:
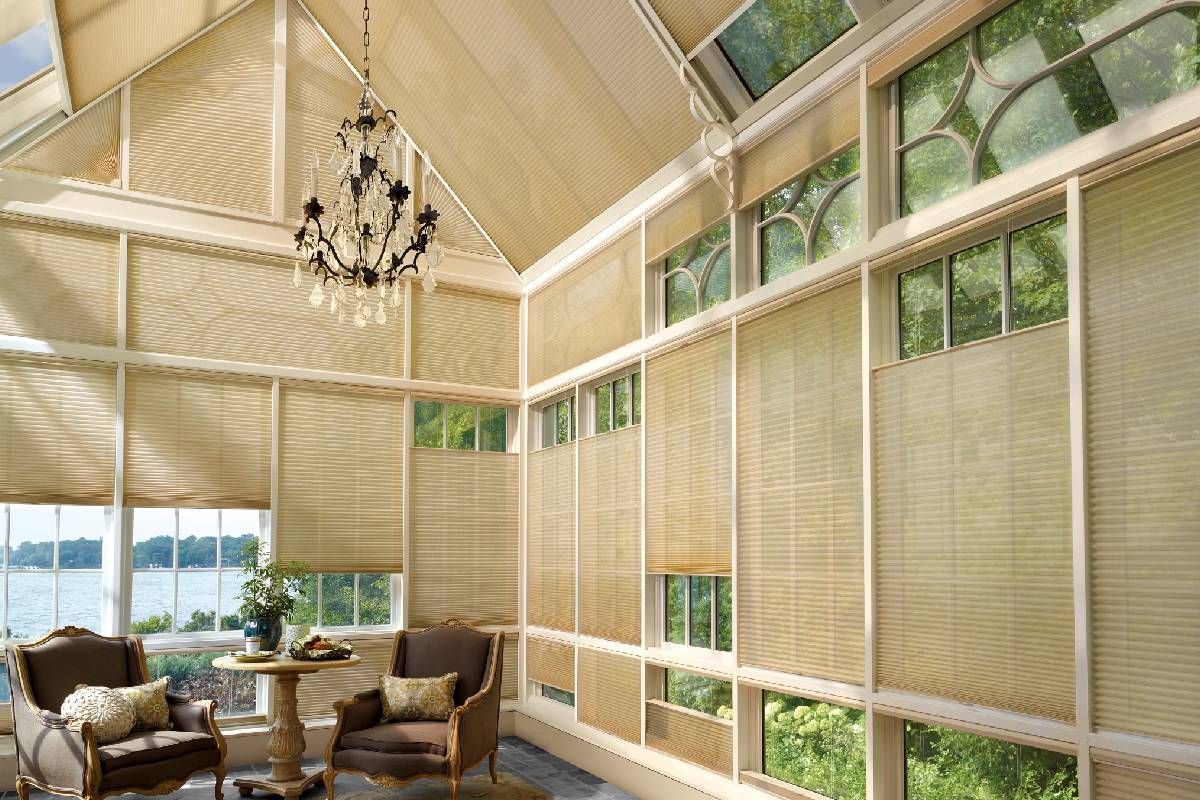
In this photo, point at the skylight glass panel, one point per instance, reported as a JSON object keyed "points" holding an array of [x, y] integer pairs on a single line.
{"points": [[24, 55], [773, 38]]}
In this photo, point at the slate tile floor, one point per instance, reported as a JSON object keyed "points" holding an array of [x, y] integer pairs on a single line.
{"points": [[559, 779]]}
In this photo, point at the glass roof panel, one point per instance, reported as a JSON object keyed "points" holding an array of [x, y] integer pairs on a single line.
{"points": [[24, 55], [773, 38]]}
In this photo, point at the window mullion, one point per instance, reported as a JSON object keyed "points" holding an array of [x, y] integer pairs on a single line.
{"points": [[687, 610], [7, 525], [175, 577], [1006, 281], [54, 567], [355, 616], [712, 613], [947, 299]]}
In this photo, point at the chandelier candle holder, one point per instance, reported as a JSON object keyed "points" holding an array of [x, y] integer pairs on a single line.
{"points": [[364, 248]]}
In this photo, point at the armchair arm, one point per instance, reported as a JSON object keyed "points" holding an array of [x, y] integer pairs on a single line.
{"points": [[191, 715], [50, 752], [475, 725], [358, 713]]}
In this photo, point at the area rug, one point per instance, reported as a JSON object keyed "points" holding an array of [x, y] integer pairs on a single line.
{"points": [[479, 787]]}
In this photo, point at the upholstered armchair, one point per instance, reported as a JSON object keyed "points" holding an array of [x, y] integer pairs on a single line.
{"points": [[57, 759], [395, 753]]}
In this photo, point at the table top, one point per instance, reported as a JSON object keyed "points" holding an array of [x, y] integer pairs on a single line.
{"points": [[282, 664]]}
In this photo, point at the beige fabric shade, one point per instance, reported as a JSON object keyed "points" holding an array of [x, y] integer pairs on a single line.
{"points": [[60, 283], [610, 538], [174, 309], [691, 22], [57, 432], [203, 115], [689, 446], [550, 538], [512, 658], [973, 525], [551, 663], [466, 337], [196, 441], [800, 527], [463, 539], [593, 309], [697, 209], [698, 738], [455, 228], [86, 147], [1115, 782], [609, 693], [341, 478], [1143, 418], [317, 693]]}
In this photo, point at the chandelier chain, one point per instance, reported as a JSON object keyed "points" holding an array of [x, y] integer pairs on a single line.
{"points": [[366, 15]]}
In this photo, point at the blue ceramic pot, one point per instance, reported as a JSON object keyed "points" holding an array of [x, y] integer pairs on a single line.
{"points": [[269, 630]]}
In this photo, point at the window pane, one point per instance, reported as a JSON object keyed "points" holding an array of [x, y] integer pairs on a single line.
{"points": [[493, 429], [460, 427], [922, 320], [927, 89], [305, 611], [81, 537], [238, 529], [782, 249], [375, 599], [637, 398], [31, 537], [153, 602], [198, 531], [193, 674], [931, 172], [725, 614], [231, 585], [681, 298], [975, 293], [700, 693], [153, 538], [701, 599], [197, 601], [5, 697], [772, 38], [716, 283], [337, 600], [840, 225], [549, 415], [621, 403], [30, 604], [942, 762], [676, 610], [558, 695], [79, 599], [427, 424], [563, 425], [1039, 273], [818, 746], [604, 408]]}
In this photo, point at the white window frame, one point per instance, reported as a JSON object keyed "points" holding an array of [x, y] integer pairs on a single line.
{"points": [[721, 659], [550, 407], [396, 593], [588, 401], [509, 424]]}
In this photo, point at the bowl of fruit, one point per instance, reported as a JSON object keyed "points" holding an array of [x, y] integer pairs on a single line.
{"points": [[316, 647]]}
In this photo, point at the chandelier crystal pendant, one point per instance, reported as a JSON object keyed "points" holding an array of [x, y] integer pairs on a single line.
{"points": [[362, 249]]}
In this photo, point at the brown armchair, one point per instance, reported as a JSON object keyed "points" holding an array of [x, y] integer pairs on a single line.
{"points": [[56, 759], [396, 753]]}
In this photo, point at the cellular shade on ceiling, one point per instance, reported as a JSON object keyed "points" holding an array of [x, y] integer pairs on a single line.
{"points": [[689, 215], [60, 283], [466, 337], [585, 108], [593, 309], [800, 531], [973, 526], [818, 132], [610, 536], [551, 663], [200, 121], [341, 478], [104, 42], [196, 441], [455, 228], [175, 308], [463, 540], [317, 693], [85, 147], [691, 22], [57, 432], [1143, 433], [689, 446], [609, 693], [699, 738], [550, 538]]}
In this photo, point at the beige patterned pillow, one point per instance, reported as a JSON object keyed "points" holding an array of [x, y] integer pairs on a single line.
{"points": [[410, 699], [150, 704], [110, 712]]}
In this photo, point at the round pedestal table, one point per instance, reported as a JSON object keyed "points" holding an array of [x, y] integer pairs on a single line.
{"points": [[286, 745]]}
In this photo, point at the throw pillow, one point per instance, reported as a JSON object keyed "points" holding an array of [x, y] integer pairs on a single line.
{"points": [[410, 699], [110, 712], [150, 704]]}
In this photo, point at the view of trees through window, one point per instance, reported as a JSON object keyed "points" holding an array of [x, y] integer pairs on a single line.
{"points": [[619, 403], [691, 616], [696, 275], [345, 600], [701, 693], [460, 426], [558, 422], [558, 695], [817, 746], [193, 674]]}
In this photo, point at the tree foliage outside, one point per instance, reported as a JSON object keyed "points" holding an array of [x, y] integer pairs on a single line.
{"points": [[1038, 268], [704, 263], [701, 693], [337, 600], [193, 674], [817, 746], [676, 609]]}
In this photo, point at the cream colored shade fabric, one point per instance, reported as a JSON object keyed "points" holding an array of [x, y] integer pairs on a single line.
{"points": [[455, 228], [699, 738], [800, 457], [200, 121], [609, 693], [819, 131], [610, 538], [1117, 782], [585, 109], [341, 478], [317, 693], [688, 215], [1143, 433], [196, 441], [86, 147], [57, 432], [691, 22], [973, 525], [512, 660], [6, 718], [551, 663], [465, 337], [175, 308], [550, 538], [60, 283], [593, 309], [463, 539], [106, 41], [689, 450]]}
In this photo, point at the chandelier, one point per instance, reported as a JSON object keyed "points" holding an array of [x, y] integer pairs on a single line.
{"points": [[363, 248]]}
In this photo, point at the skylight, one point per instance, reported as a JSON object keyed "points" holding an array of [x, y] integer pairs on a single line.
{"points": [[773, 38], [24, 55]]}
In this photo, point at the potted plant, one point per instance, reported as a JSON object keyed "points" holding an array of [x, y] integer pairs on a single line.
{"points": [[269, 593]]}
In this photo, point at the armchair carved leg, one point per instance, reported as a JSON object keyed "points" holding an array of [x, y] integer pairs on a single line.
{"points": [[453, 789], [22, 789], [219, 786], [329, 776], [491, 765]]}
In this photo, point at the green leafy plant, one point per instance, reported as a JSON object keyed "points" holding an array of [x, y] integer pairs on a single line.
{"points": [[271, 589]]}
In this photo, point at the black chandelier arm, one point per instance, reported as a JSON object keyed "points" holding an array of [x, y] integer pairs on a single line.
{"points": [[321, 239]]}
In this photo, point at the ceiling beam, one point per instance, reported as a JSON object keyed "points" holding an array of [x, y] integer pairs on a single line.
{"points": [[56, 52]]}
